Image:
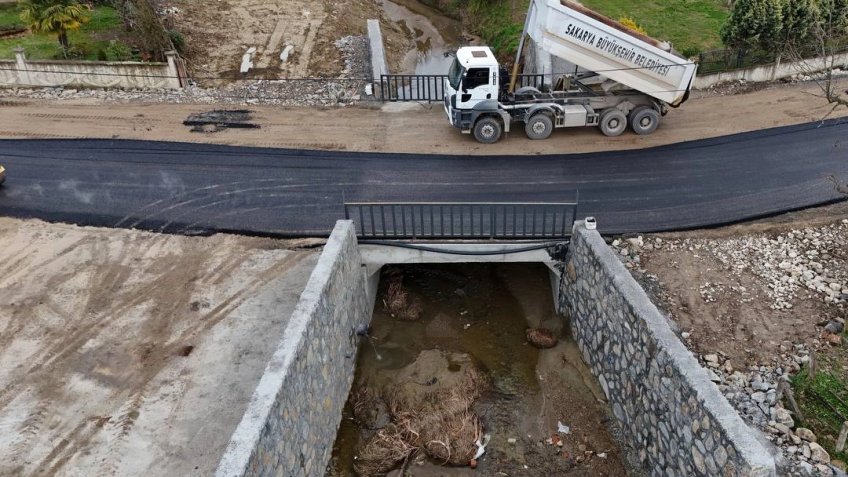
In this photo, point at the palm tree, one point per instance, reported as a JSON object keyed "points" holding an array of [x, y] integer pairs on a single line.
{"points": [[54, 16]]}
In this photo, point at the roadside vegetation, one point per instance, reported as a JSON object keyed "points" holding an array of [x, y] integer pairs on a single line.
{"points": [[105, 30], [691, 26], [823, 401], [96, 34]]}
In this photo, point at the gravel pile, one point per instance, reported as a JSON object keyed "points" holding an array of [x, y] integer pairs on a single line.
{"points": [[810, 259], [310, 92]]}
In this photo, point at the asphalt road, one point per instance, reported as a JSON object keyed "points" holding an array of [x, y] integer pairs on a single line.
{"points": [[180, 187]]}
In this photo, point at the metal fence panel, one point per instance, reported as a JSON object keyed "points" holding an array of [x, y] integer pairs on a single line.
{"points": [[468, 220]]}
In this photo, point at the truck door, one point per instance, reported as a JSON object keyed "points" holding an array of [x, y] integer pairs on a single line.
{"points": [[478, 85]]}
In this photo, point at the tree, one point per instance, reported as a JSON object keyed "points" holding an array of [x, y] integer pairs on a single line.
{"points": [[754, 24], [799, 20], [54, 16], [817, 57]]}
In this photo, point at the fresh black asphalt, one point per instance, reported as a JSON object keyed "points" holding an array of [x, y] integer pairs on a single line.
{"points": [[181, 187]]}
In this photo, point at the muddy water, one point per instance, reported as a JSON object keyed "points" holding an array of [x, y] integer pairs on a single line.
{"points": [[484, 311], [436, 36]]}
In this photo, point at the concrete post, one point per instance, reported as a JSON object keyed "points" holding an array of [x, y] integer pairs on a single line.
{"points": [[379, 66], [21, 67], [173, 72]]}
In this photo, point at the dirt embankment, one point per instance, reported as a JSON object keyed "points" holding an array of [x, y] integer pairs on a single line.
{"points": [[291, 38], [750, 291], [129, 353]]}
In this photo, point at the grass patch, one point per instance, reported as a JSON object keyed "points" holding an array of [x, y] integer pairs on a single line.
{"points": [[500, 24], [94, 36], [692, 26], [824, 402]]}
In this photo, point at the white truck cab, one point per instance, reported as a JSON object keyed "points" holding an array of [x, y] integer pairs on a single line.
{"points": [[473, 84]]}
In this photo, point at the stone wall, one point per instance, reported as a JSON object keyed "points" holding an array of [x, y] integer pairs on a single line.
{"points": [[671, 414], [25, 73], [291, 422]]}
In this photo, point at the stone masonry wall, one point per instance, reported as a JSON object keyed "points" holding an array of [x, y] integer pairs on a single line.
{"points": [[672, 415], [291, 422]]}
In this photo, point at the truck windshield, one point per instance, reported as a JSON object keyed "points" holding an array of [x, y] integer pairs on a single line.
{"points": [[455, 74]]}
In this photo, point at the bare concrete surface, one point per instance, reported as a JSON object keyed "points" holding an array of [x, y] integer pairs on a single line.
{"points": [[395, 127], [133, 354]]}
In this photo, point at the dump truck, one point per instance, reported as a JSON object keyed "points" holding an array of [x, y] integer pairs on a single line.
{"points": [[620, 78]]}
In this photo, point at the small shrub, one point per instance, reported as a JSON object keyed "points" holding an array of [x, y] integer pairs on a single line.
{"points": [[178, 40], [631, 24], [101, 55], [690, 52], [74, 52], [117, 51]]}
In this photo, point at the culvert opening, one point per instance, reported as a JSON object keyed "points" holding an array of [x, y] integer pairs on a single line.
{"points": [[448, 367]]}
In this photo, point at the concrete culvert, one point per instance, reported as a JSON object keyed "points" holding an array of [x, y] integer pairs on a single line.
{"points": [[429, 394]]}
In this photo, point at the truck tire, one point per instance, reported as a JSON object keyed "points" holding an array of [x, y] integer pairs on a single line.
{"points": [[539, 126], [613, 122], [526, 90], [487, 130], [644, 120]]}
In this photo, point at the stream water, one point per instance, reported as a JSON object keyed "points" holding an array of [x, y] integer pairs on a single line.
{"points": [[542, 409], [436, 36]]}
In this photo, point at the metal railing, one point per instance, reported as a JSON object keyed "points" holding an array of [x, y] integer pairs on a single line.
{"points": [[430, 88], [468, 220]]}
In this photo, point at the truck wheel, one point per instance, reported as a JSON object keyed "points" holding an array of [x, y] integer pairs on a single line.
{"points": [[613, 122], [487, 130], [644, 120], [539, 126], [526, 90]]}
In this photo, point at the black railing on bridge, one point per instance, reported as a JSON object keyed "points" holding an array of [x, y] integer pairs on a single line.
{"points": [[462, 220], [430, 88]]}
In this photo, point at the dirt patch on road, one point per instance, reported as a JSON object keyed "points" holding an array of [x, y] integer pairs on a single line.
{"points": [[130, 353]]}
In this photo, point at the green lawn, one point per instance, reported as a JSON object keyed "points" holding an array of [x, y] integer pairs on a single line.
{"points": [[95, 35], [691, 26]]}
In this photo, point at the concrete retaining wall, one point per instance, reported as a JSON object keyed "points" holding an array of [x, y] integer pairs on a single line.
{"points": [[379, 66], [291, 422], [21, 72], [772, 71], [670, 412]]}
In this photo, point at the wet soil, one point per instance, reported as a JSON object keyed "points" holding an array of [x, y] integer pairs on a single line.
{"points": [[483, 311]]}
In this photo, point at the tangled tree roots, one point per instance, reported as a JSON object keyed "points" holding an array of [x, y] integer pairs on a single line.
{"points": [[398, 301], [439, 423], [384, 451]]}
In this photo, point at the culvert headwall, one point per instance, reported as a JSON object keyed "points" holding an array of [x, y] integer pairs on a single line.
{"points": [[291, 421], [670, 412]]}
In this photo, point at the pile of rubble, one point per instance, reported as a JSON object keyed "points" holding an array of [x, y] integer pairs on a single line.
{"points": [[811, 260], [756, 395], [286, 92]]}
